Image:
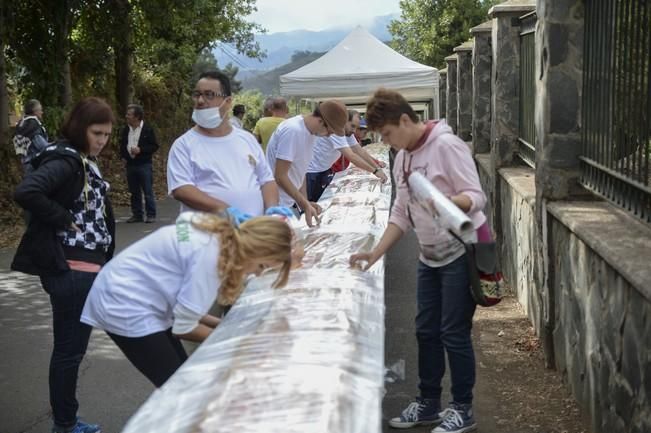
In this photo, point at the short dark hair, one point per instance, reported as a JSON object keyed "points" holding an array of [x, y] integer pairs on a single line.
{"points": [[385, 107], [87, 112], [221, 77], [267, 106], [30, 107], [279, 104], [238, 109], [137, 110]]}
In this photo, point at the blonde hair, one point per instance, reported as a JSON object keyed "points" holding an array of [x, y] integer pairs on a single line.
{"points": [[262, 238]]}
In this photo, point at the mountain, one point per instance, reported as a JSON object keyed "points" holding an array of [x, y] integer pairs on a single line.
{"points": [[281, 46], [268, 83]]}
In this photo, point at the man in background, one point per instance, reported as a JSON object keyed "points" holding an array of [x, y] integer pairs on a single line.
{"points": [[238, 115], [137, 145], [30, 137], [266, 126]]}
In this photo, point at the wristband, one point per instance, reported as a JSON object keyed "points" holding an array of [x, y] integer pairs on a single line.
{"points": [[376, 170]]}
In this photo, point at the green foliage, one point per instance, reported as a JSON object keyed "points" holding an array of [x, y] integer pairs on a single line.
{"points": [[428, 30], [79, 48], [252, 101]]}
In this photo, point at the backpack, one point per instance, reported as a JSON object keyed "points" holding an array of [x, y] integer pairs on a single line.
{"points": [[25, 132]]}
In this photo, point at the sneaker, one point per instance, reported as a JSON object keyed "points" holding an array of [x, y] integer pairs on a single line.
{"points": [[151, 219], [458, 418], [80, 427], [423, 411], [135, 219]]}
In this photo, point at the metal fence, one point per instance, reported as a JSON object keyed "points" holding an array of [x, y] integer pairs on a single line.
{"points": [[617, 103], [527, 133]]}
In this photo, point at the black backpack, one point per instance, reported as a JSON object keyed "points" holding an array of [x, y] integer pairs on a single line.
{"points": [[26, 129]]}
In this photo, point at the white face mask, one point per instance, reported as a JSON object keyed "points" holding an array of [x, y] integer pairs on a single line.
{"points": [[208, 118]]}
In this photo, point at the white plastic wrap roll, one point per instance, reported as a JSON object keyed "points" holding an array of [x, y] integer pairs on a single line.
{"points": [[439, 206]]}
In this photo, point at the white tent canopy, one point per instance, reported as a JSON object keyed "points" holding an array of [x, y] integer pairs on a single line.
{"points": [[356, 67]]}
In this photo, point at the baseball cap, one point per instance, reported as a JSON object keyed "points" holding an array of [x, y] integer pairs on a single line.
{"points": [[362, 124], [335, 115]]}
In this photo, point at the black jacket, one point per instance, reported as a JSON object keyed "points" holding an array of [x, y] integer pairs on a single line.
{"points": [[48, 193], [147, 144]]}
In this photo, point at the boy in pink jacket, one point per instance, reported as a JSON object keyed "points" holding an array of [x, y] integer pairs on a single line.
{"points": [[445, 305]]}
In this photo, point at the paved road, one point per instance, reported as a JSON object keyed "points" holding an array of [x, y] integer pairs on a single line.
{"points": [[110, 389]]}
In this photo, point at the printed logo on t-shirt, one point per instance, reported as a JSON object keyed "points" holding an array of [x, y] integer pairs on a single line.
{"points": [[183, 231], [252, 161]]}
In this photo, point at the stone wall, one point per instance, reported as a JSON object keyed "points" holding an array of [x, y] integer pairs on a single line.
{"points": [[602, 337], [518, 220]]}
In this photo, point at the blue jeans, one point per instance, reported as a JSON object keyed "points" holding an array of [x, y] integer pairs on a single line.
{"points": [[317, 183], [68, 292], [140, 179], [443, 325]]}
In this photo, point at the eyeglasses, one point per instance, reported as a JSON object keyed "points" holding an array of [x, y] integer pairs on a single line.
{"points": [[208, 95]]}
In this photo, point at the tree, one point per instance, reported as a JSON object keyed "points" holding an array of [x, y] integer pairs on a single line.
{"points": [[231, 71], [428, 30]]}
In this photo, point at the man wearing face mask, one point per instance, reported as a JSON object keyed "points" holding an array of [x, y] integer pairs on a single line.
{"points": [[290, 148], [214, 167]]}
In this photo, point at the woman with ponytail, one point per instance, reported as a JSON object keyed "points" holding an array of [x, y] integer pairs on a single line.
{"points": [[159, 290]]}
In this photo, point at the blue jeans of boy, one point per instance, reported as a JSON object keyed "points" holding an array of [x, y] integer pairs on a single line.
{"points": [[140, 180], [443, 325], [68, 292]]}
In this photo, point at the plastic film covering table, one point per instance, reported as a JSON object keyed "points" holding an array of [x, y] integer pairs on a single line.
{"points": [[306, 358]]}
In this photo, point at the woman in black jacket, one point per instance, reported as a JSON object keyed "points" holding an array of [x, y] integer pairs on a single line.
{"points": [[71, 234]]}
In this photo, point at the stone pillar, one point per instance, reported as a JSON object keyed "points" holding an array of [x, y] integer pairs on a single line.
{"points": [[443, 92], [559, 64], [481, 87], [451, 107], [505, 103], [464, 90]]}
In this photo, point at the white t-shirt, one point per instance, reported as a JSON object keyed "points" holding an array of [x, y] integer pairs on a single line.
{"points": [[136, 293], [293, 142], [327, 151], [232, 168]]}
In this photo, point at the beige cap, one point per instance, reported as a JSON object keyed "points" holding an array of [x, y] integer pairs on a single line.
{"points": [[335, 115]]}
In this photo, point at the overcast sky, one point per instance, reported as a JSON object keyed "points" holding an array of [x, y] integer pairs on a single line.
{"points": [[286, 15]]}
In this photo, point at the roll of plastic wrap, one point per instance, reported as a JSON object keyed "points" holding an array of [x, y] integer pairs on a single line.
{"points": [[439, 206]]}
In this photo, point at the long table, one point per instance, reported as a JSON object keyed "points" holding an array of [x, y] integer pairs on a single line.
{"points": [[306, 358]]}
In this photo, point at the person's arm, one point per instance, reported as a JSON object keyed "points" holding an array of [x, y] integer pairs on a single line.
{"points": [[391, 235], [198, 334], [39, 143], [364, 165], [147, 142], [210, 321], [35, 191], [193, 197], [281, 173], [270, 194], [359, 150]]}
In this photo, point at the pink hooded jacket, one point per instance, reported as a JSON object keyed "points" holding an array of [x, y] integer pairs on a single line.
{"points": [[445, 160]]}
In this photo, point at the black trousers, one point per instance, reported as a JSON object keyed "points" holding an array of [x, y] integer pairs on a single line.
{"points": [[157, 355]]}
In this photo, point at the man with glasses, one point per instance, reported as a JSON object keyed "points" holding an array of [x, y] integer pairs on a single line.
{"points": [[289, 152], [214, 167]]}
